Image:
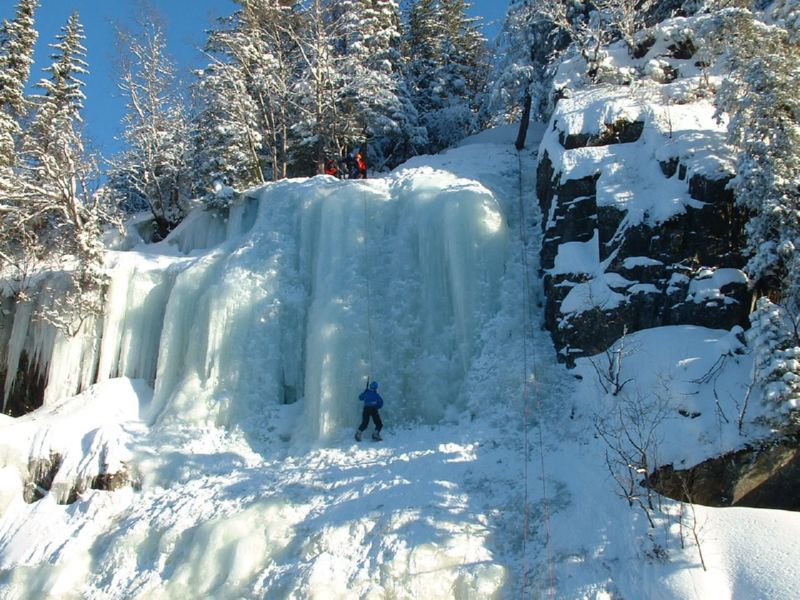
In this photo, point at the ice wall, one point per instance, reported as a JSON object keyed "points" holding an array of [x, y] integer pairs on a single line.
{"points": [[299, 295]]}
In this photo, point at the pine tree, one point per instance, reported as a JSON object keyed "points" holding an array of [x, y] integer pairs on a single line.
{"points": [[226, 137], [54, 146], [374, 101], [255, 57], [447, 68], [774, 338], [17, 40], [761, 96], [524, 69], [60, 218]]}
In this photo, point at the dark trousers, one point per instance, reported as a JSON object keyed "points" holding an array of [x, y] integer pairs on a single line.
{"points": [[371, 411]]}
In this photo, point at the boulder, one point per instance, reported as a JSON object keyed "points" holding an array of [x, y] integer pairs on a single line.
{"points": [[761, 476]]}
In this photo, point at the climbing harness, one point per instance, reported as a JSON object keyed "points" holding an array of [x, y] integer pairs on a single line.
{"points": [[528, 332]]}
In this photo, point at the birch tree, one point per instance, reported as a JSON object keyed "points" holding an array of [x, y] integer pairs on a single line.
{"points": [[155, 126]]}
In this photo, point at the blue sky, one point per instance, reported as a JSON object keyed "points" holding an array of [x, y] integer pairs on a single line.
{"points": [[185, 20]]}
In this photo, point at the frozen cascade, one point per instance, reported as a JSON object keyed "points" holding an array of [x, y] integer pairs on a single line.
{"points": [[269, 305], [281, 311], [136, 303], [68, 363], [228, 364]]}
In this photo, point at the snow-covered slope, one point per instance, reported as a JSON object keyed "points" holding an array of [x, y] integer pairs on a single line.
{"points": [[229, 367]]}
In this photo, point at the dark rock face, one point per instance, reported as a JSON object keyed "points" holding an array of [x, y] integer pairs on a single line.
{"points": [[662, 274], [767, 476], [42, 473], [114, 481], [619, 132], [27, 393]]}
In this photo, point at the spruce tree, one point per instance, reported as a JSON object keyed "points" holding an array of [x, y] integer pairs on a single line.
{"points": [[447, 68], [761, 97], [523, 70], [776, 345], [54, 145], [254, 62], [17, 40], [374, 100], [226, 138], [61, 216]]}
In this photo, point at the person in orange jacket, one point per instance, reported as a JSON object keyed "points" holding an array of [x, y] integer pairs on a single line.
{"points": [[362, 166]]}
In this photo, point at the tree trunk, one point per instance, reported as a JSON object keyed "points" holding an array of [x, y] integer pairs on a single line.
{"points": [[526, 119]]}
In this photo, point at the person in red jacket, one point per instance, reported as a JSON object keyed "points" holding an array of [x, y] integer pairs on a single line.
{"points": [[362, 166], [331, 168]]}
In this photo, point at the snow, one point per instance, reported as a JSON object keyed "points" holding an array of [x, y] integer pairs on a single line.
{"points": [[88, 432], [597, 292], [707, 285], [632, 262], [578, 257], [630, 178], [506, 135], [228, 370]]}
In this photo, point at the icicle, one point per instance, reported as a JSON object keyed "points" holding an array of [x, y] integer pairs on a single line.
{"points": [[16, 344], [135, 306]]}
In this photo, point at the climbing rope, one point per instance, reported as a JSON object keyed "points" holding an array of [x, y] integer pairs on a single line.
{"points": [[369, 285], [528, 332]]}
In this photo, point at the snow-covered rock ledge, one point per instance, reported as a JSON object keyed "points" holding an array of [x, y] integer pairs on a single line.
{"points": [[640, 229]]}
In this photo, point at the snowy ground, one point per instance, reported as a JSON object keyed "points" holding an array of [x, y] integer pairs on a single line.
{"points": [[242, 497]]}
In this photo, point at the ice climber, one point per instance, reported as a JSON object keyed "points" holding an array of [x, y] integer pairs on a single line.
{"points": [[362, 166], [331, 169], [352, 165], [372, 402]]}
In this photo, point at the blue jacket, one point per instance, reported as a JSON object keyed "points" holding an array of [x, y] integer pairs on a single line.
{"points": [[371, 398]]}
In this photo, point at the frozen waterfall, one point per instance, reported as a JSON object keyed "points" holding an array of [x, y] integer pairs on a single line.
{"points": [[210, 450], [305, 288]]}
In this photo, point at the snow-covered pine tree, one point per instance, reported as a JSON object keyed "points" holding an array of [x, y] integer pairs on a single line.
{"points": [[761, 97], [316, 89], [226, 139], [525, 49], [156, 126], [447, 66], [61, 221], [17, 40], [775, 341], [374, 101], [246, 92], [54, 147]]}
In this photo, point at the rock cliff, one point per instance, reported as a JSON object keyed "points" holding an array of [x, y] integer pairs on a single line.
{"points": [[640, 229]]}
